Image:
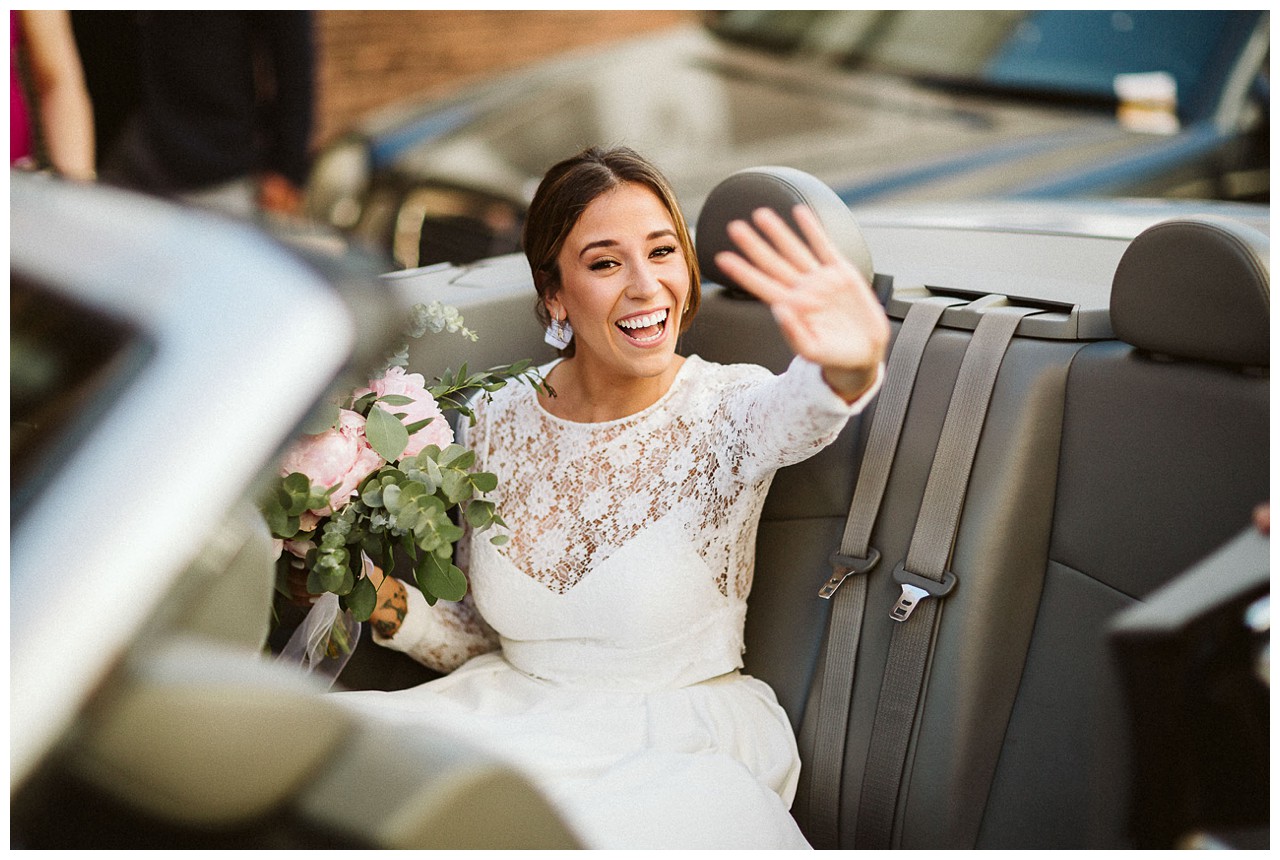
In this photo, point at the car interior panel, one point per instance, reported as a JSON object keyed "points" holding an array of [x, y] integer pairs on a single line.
{"points": [[1125, 441]]}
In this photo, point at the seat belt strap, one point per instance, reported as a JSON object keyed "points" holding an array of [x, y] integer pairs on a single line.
{"points": [[924, 575], [847, 587]]}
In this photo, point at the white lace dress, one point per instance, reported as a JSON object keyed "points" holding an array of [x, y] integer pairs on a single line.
{"points": [[606, 664]]}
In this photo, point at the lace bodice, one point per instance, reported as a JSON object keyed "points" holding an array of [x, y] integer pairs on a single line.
{"points": [[632, 542]]}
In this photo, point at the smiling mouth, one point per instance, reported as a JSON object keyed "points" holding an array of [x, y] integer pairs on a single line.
{"points": [[644, 328]]}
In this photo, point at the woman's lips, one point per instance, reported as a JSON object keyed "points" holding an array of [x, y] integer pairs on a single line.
{"points": [[645, 328]]}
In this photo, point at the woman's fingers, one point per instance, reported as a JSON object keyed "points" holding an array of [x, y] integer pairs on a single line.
{"points": [[772, 246], [819, 242], [750, 278], [797, 254], [761, 254]]}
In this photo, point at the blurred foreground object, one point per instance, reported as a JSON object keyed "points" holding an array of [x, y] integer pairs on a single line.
{"points": [[156, 375]]}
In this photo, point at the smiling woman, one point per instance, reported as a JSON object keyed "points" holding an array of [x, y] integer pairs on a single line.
{"points": [[600, 647], [625, 278]]}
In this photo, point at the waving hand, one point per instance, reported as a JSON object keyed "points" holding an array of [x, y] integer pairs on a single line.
{"points": [[824, 306]]}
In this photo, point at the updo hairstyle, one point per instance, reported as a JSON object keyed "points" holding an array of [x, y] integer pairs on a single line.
{"points": [[564, 194]]}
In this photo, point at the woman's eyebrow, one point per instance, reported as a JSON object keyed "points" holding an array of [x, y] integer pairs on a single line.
{"points": [[609, 243]]}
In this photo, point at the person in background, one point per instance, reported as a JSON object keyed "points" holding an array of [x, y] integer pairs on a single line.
{"points": [[57, 122], [224, 112]]}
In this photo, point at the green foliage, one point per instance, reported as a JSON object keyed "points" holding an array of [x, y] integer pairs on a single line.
{"points": [[439, 579], [289, 498], [385, 433], [410, 507], [452, 390]]}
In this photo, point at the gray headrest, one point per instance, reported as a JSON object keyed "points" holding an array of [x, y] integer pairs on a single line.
{"points": [[780, 189], [1196, 288]]}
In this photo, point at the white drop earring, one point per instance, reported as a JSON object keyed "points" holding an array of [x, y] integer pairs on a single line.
{"points": [[559, 333]]}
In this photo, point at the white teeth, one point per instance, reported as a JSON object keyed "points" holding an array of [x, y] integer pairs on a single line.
{"points": [[644, 321]]}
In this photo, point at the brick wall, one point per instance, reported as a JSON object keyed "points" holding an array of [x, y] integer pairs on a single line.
{"points": [[370, 59]]}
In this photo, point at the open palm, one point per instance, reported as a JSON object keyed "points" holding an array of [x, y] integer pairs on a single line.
{"points": [[824, 306]]}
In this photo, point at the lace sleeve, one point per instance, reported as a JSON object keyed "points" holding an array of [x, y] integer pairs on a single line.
{"points": [[784, 419]]}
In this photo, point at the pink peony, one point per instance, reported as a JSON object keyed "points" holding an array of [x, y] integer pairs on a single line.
{"points": [[341, 456], [423, 407]]}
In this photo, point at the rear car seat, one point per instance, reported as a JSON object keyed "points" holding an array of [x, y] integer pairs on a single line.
{"points": [[1164, 455], [987, 621], [996, 760]]}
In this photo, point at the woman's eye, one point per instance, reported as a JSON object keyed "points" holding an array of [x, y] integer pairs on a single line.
{"points": [[601, 265], [662, 251]]}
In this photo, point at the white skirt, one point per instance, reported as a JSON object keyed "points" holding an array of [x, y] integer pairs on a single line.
{"points": [[713, 765]]}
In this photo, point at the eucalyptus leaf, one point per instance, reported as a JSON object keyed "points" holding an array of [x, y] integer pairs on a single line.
{"points": [[433, 472], [442, 579], [362, 599], [453, 453], [485, 482], [418, 425], [273, 503], [296, 493], [479, 514], [329, 579], [278, 521], [386, 435], [391, 497], [395, 400], [499, 540], [456, 486]]}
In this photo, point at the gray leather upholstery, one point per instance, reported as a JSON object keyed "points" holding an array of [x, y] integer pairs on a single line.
{"points": [[780, 189], [1162, 460], [1198, 289]]}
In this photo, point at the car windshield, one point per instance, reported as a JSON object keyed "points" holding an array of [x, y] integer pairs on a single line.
{"points": [[1075, 53]]}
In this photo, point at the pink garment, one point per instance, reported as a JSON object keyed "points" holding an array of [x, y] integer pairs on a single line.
{"points": [[20, 142]]}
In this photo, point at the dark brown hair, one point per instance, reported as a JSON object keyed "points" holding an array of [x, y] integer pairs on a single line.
{"points": [[566, 191]]}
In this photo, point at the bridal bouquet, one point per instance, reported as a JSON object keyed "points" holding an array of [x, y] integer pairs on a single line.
{"points": [[382, 479]]}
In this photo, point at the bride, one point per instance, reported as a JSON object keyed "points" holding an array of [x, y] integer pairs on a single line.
{"points": [[599, 649]]}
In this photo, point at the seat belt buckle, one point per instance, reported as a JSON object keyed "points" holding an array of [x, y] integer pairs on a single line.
{"points": [[916, 588], [844, 566]]}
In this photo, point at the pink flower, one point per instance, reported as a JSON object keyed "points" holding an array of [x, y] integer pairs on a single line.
{"points": [[299, 548], [423, 407], [341, 456]]}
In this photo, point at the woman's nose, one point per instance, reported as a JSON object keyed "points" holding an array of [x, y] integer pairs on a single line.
{"points": [[643, 283]]}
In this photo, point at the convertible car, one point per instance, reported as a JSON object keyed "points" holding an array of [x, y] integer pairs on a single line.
{"points": [[899, 105], [1020, 603]]}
